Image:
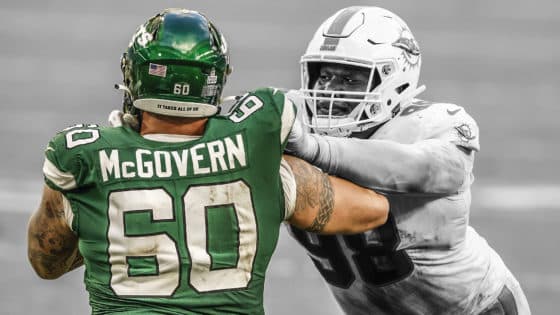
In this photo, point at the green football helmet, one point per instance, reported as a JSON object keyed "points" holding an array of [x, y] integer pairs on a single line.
{"points": [[176, 65]]}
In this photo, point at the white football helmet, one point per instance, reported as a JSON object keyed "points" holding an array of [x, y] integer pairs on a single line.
{"points": [[368, 37]]}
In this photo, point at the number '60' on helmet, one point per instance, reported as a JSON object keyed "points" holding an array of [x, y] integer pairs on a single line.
{"points": [[176, 64], [371, 38]]}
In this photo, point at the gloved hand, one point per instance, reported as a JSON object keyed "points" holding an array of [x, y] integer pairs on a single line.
{"points": [[117, 119], [301, 142]]}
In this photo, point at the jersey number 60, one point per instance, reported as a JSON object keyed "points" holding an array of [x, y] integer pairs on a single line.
{"points": [[163, 249]]}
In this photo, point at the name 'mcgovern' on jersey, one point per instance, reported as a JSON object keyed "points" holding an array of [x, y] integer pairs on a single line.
{"points": [[203, 158]]}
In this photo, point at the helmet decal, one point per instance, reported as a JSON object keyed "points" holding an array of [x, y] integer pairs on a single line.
{"points": [[209, 90], [212, 78], [330, 43], [410, 47], [157, 70], [142, 37]]}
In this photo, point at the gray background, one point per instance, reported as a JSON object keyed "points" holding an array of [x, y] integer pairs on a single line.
{"points": [[499, 59]]}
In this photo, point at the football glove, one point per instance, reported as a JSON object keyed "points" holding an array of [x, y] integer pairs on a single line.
{"points": [[302, 143], [117, 119]]}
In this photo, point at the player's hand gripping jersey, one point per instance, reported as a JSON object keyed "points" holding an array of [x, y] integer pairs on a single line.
{"points": [[187, 226], [425, 259]]}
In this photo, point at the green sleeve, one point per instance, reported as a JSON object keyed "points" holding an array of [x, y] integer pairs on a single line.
{"points": [[65, 167], [268, 108]]}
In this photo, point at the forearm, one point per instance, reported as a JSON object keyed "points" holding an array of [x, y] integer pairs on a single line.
{"points": [[357, 209], [50, 264], [76, 260], [52, 247], [327, 204], [429, 166]]}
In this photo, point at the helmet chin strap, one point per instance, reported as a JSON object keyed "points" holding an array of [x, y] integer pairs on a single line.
{"points": [[127, 118]]}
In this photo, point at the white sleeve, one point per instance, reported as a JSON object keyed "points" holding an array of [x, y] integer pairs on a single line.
{"points": [[288, 118], [63, 180], [429, 166], [68, 214], [289, 186]]}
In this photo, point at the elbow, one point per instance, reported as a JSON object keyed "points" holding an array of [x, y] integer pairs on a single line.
{"points": [[446, 181], [42, 269], [44, 272], [380, 215], [47, 276], [432, 178], [376, 216], [383, 213]]}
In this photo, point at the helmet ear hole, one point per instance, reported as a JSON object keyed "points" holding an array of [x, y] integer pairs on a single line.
{"points": [[401, 88]]}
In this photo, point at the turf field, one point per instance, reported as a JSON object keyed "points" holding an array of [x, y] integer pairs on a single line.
{"points": [[498, 59]]}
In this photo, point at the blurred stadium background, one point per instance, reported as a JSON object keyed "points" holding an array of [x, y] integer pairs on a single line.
{"points": [[499, 59]]}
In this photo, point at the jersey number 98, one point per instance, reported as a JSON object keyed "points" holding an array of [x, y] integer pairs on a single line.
{"points": [[378, 262]]}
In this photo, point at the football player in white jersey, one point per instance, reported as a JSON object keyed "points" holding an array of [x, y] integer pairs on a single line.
{"points": [[358, 98]]}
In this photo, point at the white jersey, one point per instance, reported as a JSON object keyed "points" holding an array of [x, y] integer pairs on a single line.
{"points": [[426, 259]]}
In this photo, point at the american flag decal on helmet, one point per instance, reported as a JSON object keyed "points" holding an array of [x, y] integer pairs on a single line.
{"points": [[157, 70]]}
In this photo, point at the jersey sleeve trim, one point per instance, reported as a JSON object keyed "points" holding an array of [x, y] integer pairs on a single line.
{"points": [[68, 214], [63, 180], [289, 187], [288, 118]]}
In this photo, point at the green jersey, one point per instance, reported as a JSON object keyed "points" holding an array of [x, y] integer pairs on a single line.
{"points": [[177, 228]]}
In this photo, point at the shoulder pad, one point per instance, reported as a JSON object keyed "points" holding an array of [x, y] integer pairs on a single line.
{"points": [[296, 97], [446, 121], [267, 106], [66, 156]]}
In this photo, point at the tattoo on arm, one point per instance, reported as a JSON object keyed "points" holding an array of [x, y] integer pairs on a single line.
{"points": [[326, 206], [313, 189], [52, 246], [77, 262]]}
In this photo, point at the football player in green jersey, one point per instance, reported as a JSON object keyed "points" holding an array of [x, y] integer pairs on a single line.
{"points": [[181, 215]]}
